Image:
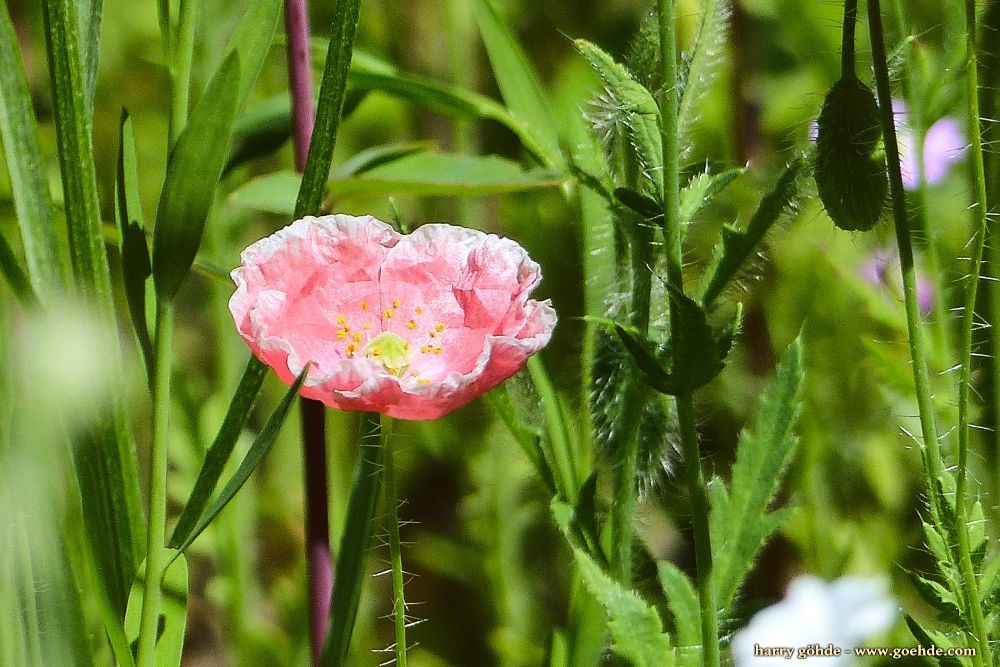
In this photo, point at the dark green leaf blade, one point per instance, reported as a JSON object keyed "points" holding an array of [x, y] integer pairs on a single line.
{"points": [[222, 447], [258, 451], [193, 171], [16, 278], [136, 267], [352, 554], [683, 603]]}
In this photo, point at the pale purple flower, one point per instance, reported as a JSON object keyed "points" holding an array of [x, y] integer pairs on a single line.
{"points": [[845, 613], [944, 145], [881, 269]]}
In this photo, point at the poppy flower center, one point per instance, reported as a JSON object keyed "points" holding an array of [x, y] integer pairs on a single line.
{"points": [[390, 350]]}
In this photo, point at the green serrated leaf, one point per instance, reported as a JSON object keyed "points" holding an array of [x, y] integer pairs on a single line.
{"points": [[742, 524], [926, 637], [977, 527], [684, 607], [702, 189], [738, 245], [938, 597], [519, 85], [936, 543], [136, 267], [638, 113], [636, 630], [25, 162], [222, 447], [193, 171], [173, 610], [256, 454], [727, 337], [702, 61]]}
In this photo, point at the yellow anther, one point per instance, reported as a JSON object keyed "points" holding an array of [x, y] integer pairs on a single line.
{"points": [[418, 310], [395, 303], [388, 313], [437, 350], [376, 351], [406, 347], [364, 305], [357, 338], [340, 319], [423, 381], [341, 335], [425, 348], [392, 370], [439, 327], [433, 334], [351, 349], [411, 325]]}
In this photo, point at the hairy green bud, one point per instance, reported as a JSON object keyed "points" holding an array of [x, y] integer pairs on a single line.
{"points": [[850, 166]]}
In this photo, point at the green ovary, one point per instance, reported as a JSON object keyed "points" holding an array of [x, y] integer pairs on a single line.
{"points": [[391, 351]]}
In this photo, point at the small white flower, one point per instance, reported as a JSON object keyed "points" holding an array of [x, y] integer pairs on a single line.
{"points": [[843, 613]]}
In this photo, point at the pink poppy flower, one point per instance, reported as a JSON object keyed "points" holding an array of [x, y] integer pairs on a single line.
{"points": [[413, 326]]}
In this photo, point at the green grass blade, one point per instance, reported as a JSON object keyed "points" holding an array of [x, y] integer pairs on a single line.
{"points": [[26, 165], [738, 245], [222, 448], [740, 521], [352, 554], [16, 278], [251, 42], [136, 267], [423, 174], [258, 451], [635, 627], [104, 458], [519, 84], [90, 45], [331, 104], [193, 171]]}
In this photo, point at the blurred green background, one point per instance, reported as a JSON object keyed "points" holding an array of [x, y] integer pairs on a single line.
{"points": [[489, 568]]}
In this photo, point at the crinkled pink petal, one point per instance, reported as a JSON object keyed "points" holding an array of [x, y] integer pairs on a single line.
{"points": [[322, 289]]}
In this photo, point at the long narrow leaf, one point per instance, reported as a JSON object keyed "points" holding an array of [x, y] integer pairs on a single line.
{"points": [[519, 84], [90, 45], [352, 555], [104, 458], [251, 41], [193, 171], [222, 447], [26, 165], [132, 237], [258, 451]]}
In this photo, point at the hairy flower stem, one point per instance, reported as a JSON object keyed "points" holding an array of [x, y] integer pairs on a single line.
{"points": [[675, 276], [968, 313], [918, 131], [313, 414], [157, 516], [932, 454], [391, 501]]}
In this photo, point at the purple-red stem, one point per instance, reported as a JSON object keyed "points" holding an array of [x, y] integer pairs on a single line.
{"points": [[318, 561]]}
